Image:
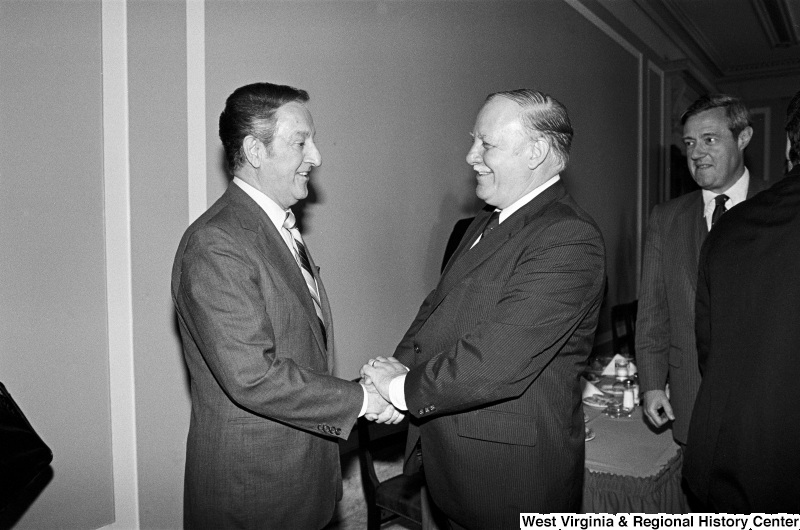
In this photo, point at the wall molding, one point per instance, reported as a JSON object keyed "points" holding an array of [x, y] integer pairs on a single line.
{"points": [[196, 106], [119, 285], [638, 53], [766, 139], [652, 180]]}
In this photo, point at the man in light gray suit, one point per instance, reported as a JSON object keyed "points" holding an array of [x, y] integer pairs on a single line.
{"points": [[257, 335], [716, 131]]}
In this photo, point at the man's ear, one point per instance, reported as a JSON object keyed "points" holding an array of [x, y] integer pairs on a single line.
{"points": [[253, 149], [539, 149], [744, 137]]}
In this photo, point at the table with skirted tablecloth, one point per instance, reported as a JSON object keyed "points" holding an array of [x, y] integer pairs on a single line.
{"points": [[631, 467]]}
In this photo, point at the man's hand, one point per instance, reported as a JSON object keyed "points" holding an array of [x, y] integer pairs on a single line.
{"points": [[655, 400], [380, 371], [378, 409]]}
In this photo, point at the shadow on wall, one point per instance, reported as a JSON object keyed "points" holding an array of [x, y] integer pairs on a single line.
{"points": [[14, 511]]}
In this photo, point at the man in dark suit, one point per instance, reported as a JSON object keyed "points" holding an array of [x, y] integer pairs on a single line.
{"points": [[743, 453], [497, 349], [716, 131], [258, 337]]}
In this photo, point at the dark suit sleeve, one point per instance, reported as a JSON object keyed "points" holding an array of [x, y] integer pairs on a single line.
{"points": [[555, 282], [223, 294], [702, 320], [652, 322]]}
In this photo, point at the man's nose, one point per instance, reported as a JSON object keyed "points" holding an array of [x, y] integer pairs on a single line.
{"points": [[314, 157], [697, 152], [473, 156]]}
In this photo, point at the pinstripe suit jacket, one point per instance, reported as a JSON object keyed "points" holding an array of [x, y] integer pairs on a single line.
{"points": [[261, 451], [665, 339], [496, 353]]}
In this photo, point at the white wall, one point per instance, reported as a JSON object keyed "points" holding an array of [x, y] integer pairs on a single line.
{"points": [[53, 320], [159, 184]]}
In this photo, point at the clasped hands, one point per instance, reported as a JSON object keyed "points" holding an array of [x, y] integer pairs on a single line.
{"points": [[376, 376]]}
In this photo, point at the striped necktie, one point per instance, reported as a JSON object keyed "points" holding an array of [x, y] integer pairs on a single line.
{"points": [[301, 257]]}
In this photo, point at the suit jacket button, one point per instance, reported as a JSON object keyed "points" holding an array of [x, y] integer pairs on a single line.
{"points": [[421, 412], [417, 349], [338, 431], [432, 408]]}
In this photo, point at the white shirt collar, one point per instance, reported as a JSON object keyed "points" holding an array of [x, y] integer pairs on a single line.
{"points": [[525, 199], [736, 193], [275, 213]]}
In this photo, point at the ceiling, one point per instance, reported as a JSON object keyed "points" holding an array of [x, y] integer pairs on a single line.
{"points": [[730, 40]]}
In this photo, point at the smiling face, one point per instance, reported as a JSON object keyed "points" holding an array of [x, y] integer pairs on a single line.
{"points": [[714, 156], [500, 154], [285, 164]]}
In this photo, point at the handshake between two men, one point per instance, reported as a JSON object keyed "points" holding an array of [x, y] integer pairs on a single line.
{"points": [[376, 376]]}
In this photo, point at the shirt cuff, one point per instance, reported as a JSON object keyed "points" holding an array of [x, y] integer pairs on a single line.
{"points": [[397, 392], [366, 401]]}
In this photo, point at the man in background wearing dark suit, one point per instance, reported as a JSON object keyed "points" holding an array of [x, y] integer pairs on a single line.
{"points": [[743, 453], [497, 349], [258, 337], [716, 131]]}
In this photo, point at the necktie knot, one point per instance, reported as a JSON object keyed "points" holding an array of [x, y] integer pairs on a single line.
{"points": [[719, 208], [494, 222], [290, 223]]}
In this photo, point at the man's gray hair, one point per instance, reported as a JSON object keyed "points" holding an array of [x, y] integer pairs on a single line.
{"points": [[543, 115]]}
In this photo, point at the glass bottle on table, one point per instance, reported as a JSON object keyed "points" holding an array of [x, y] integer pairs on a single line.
{"points": [[635, 382], [628, 401], [621, 370]]}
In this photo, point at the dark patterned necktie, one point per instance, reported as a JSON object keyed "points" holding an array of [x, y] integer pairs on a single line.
{"points": [[719, 208], [494, 222]]}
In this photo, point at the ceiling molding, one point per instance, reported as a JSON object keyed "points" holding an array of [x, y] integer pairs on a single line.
{"points": [[665, 18], [777, 21], [761, 70], [699, 40]]}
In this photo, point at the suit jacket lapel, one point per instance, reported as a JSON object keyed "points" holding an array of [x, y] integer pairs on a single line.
{"points": [[269, 243], [467, 259], [693, 230], [327, 314], [470, 235]]}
